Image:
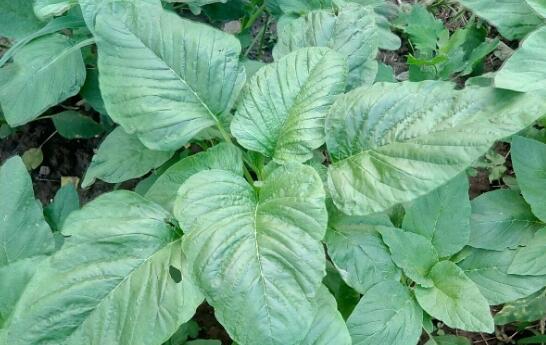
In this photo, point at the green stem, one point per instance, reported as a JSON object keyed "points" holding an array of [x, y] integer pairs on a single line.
{"points": [[258, 37], [254, 16]]}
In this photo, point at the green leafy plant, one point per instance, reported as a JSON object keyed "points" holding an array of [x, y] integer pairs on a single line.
{"points": [[305, 202]]}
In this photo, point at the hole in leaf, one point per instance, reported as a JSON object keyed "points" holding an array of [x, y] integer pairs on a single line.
{"points": [[175, 273]]}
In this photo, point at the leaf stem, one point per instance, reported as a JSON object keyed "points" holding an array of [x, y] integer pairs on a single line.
{"points": [[254, 16], [259, 37]]}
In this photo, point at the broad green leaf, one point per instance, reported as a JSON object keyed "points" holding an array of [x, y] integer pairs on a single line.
{"points": [[539, 6], [45, 9], [525, 70], [385, 73], [301, 7], [501, 219], [455, 300], [442, 216], [413, 253], [45, 72], [489, 270], [74, 125], [448, 340], [121, 157], [17, 18], [282, 109], [328, 326], [527, 309], [114, 267], [356, 249], [90, 91], [394, 142], [529, 160], [513, 18], [530, 260], [222, 156], [351, 31], [24, 232], [13, 281], [70, 21], [256, 253], [65, 202], [346, 297], [90, 8], [386, 314], [183, 77]]}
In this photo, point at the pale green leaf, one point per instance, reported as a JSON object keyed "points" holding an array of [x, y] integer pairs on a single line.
{"points": [[531, 260], [222, 156], [45, 72], [121, 157], [513, 18], [45, 9], [539, 6], [529, 160], [73, 125], [90, 8], [527, 309], [65, 202], [113, 268], [282, 110], [351, 31], [386, 314], [17, 18], [24, 232], [183, 76], [501, 219], [489, 270], [455, 300], [442, 216], [394, 142], [357, 250], [90, 91], [328, 326], [256, 253], [33, 157], [525, 70], [413, 253]]}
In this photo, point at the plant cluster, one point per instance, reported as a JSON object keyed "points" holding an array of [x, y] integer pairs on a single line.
{"points": [[327, 202]]}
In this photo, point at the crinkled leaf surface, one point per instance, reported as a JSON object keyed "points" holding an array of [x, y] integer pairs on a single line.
{"points": [[44, 72], [525, 70], [489, 270], [45, 9], [413, 253], [455, 299], [386, 314], [257, 255], [121, 157], [351, 31], [282, 110], [24, 233], [531, 260], [17, 18], [501, 219], [394, 142], [539, 6], [328, 326], [513, 18], [357, 250], [163, 77], [442, 216], [90, 8], [222, 156], [112, 269], [529, 160]]}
